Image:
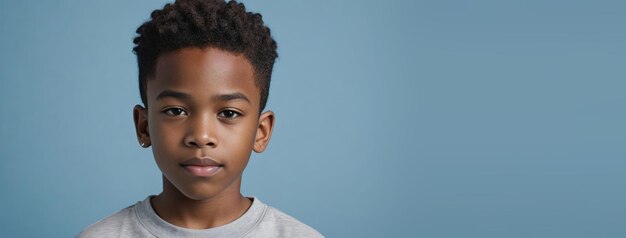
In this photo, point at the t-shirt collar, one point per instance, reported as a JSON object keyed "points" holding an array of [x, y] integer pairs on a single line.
{"points": [[237, 228]]}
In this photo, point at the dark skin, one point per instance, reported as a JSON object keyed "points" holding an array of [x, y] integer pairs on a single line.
{"points": [[202, 102]]}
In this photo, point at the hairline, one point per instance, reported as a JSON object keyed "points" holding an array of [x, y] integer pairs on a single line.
{"points": [[255, 72]]}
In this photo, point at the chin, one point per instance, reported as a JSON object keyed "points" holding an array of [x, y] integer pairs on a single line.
{"points": [[199, 191]]}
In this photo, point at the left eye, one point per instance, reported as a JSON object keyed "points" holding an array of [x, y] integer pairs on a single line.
{"points": [[174, 112], [229, 114]]}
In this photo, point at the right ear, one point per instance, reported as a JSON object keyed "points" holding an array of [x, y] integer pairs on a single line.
{"points": [[140, 115]]}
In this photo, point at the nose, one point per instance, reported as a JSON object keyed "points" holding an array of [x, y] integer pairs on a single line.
{"points": [[200, 134]]}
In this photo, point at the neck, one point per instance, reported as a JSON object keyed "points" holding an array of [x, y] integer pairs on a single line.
{"points": [[177, 209]]}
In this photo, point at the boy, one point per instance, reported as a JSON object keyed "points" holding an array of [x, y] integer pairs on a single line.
{"points": [[204, 76]]}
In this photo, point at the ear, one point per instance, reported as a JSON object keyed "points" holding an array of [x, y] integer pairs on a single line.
{"points": [[264, 131], [140, 116]]}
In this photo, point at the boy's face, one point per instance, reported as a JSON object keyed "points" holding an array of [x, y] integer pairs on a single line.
{"points": [[203, 103]]}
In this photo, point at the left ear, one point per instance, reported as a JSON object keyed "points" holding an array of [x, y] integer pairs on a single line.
{"points": [[264, 131]]}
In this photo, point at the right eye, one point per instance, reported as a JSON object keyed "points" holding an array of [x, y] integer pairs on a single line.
{"points": [[174, 112]]}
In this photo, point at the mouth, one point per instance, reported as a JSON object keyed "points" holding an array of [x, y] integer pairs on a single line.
{"points": [[201, 167]]}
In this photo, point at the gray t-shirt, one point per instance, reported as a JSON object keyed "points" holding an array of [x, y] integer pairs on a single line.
{"points": [[140, 220]]}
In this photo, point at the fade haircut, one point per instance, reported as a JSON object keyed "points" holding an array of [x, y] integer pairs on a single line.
{"points": [[206, 23]]}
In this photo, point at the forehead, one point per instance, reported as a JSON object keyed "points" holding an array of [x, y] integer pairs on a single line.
{"points": [[203, 72]]}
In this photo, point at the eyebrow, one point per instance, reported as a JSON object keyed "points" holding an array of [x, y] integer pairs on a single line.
{"points": [[231, 96], [184, 96], [173, 94]]}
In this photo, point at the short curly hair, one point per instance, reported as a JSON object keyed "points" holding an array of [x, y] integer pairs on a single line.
{"points": [[206, 23]]}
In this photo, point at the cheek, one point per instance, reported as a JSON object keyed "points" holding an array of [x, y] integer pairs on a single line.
{"points": [[165, 138], [237, 140]]}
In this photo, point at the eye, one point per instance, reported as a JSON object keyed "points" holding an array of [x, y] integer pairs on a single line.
{"points": [[174, 111], [229, 114]]}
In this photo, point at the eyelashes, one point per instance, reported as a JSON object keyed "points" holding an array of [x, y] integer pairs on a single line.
{"points": [[174, 112], [225, 114], [229, 114]]}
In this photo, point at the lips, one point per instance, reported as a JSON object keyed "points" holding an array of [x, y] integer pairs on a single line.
{"points": [[201, 166]]}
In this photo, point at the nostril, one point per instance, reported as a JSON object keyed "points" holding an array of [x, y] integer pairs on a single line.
{"points": [[194, 142]]}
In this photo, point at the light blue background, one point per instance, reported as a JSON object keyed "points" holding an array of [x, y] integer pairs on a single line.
{"points": [[394, 118]]}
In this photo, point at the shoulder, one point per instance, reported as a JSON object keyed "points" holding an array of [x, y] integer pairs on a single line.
{"points": [[109, 226], [283, 225]]}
